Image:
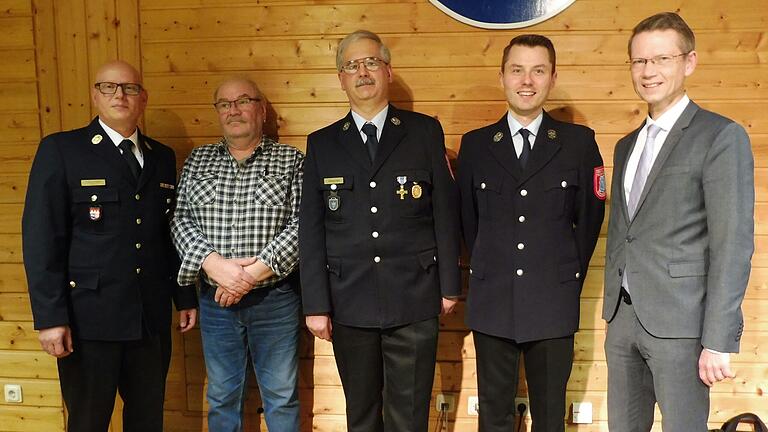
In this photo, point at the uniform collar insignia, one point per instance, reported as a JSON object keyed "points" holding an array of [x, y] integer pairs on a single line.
{"points": [[96, 139], [498, 136]]}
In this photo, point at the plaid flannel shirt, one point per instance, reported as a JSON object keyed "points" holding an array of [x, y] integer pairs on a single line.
{"points": [[239, 210]]}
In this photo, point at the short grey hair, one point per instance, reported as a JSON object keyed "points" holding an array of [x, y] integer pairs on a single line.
{"points": [[239, 79], [356, 36]]}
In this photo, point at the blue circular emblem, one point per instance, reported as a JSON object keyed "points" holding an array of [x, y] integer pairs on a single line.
{"points": [[502, 14]]}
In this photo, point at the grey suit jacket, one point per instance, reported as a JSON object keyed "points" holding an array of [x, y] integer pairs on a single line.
{"points": [[687, 251]]}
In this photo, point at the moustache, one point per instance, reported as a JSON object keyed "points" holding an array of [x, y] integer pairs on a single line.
{"points": [[365, 81], [235, 119]]}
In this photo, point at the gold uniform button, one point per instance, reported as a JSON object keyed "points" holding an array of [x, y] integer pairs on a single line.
{"points": [[94, 198], [138, 221], [138, 270], [138, 245], [137, 196], [72, 284]]}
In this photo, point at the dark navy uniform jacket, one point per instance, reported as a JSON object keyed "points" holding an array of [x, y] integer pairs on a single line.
{"points": [[97, 246], [378, 242], [531, 232]]}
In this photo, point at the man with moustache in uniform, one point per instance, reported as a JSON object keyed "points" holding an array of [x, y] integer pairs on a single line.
{"points": [[100, 264], [532, 203], [379, 244]]}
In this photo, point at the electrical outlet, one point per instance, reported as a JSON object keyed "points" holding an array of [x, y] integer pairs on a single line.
{"points": [[13, 393], [581, 412], [473, 406], [442, 398], [524, 401]]}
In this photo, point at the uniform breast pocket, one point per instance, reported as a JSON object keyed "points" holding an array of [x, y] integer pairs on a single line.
{"points": [[202, 188], [413, 193], [488, 193], [272, 190], [337, 196], [560, 194], [96, 210]]}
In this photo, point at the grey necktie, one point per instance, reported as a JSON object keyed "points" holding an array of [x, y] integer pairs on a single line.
{"points": [[643, 169], [369, 129], [526, 151], [127, 147]]}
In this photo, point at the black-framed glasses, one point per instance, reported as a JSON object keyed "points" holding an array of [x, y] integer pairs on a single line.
{"points": [[372, 64], [110, 88], [659, 60], [223, 106]]}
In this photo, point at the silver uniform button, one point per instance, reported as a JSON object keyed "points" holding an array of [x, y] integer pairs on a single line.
{"points": [[520, 246], [376, 259], [167, 200], [482, 185], [137, 197], [138, 245], [334, 187], [578, 275], [374, 209], [470, 271], [564, 183], [94, 197], [138, 270], [521, 219], [372, 184], [72, 284], [138, 221], [523, 192], [375, 234], [519, 272]]}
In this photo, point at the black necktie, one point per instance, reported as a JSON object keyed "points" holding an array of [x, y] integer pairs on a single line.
{"points": [[369, 129], [523, 158], [130, 158]]}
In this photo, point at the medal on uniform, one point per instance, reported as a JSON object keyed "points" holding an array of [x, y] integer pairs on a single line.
{"points": [[402, 192], [94, 213], [416, 190], [334, 201]]}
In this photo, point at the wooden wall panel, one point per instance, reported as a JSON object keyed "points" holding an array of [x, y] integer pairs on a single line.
{"points": [[442, 68]]}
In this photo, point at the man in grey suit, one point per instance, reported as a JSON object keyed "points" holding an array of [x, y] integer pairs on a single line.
{"points": [[680, 240]]}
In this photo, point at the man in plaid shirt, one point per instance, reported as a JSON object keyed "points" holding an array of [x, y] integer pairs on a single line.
{"points": [[236, 229]]}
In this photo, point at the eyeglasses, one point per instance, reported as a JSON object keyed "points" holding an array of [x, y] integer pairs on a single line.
{"points": [[659, 60], [372, 64], [241, 103], [110, 88]]}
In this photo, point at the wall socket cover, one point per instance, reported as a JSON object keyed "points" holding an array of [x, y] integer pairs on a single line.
{"points": [[473, 405], [13, 393], [442, 398]]}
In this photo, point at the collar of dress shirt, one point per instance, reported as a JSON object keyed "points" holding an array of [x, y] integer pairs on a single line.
{"points": [[668, 119], [117, 138], [533, 127], [378, 120]]}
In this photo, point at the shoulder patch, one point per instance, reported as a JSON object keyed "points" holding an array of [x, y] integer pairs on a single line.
{"points": [[598, 182]]}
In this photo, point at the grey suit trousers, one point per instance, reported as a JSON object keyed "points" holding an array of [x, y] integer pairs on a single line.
{"points": [[641, 363]]}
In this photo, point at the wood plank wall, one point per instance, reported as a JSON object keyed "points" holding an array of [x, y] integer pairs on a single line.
{"points": [[444, 68]]}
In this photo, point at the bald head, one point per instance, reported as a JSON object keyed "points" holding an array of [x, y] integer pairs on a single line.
{"points": [[118, 110], [118, 66]]}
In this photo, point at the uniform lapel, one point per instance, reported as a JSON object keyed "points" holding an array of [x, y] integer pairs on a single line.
{"points": [[673, 138], [544, 148], [352, 142], [106, 149], [502, 149], [392, 134], [150, 161]]}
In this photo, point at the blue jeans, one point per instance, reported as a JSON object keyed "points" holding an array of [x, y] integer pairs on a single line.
{"points": [[269, 329]]}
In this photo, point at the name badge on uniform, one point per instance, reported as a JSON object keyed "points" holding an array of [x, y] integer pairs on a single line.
{"points": [[94, 213], [333, 180], [93, 182], [334, 201]]}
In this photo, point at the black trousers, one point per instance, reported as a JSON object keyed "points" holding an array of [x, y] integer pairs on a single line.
{"points": [[96, 370], [389, 372], [547, 369]]}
